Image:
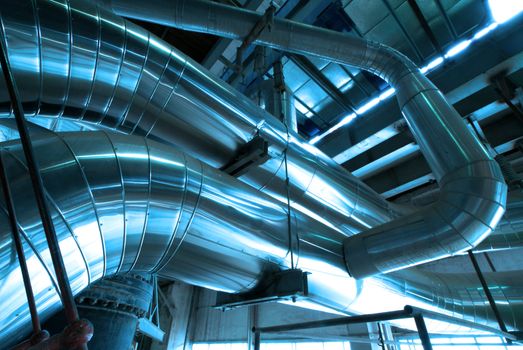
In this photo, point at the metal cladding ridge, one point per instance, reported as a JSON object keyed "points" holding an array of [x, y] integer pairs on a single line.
{"points": [[74, 60], [122, 203], [473, 191]]}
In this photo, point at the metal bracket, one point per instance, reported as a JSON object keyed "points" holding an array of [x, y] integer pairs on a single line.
{"points": [[253, 153], [148, 328], [266, 20], [283, 285]]}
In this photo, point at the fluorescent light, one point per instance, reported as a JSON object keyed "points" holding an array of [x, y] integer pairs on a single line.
{"points": [[485, 31], [504, 10], [432, 64], [369, 105], [315, 139], [346, 120], [516, 7], [456, 49]]}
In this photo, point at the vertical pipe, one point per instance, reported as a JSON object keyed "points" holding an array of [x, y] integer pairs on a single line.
{"points": [[381, 341], [66, 294], [489, 296], [13, 221], [423, 332], [257, 339]]}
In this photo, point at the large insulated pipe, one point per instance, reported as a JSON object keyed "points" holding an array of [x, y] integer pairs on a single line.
{"points": [[473, 190], [123, 203], [127, 79], [75, 60]]}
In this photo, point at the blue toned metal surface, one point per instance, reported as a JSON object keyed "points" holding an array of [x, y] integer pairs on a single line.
{"points": [[137, 210], [121, 203], [473, 189], [113, 73]]}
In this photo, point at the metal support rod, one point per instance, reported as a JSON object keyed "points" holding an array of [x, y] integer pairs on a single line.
{"points": [[265, 21], [462, 322], [489, 296], [66, 294], [425, 25], [407, 312], [423, 332], [381, 341], [257, 339], [383, 316], [13, 221], [279, 85]]}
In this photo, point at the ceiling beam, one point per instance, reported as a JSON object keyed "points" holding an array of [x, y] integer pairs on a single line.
{"points": [[319, 78]]}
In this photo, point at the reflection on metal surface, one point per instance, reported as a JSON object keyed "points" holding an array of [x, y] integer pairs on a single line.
{"points": [[473, 189], [106, 71], [123, 203], [127, 203]]}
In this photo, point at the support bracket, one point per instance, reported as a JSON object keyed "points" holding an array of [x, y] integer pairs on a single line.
{"points": [[265, 21], [253, 153], [283, 285]]}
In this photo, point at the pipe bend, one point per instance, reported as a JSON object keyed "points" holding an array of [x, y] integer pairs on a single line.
{"points": [[471, 203]]}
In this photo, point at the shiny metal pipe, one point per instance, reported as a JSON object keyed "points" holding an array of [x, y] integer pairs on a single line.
{"points": [[75, 60], [122, 203], [509, 231], [473, 191], [82, 95]]}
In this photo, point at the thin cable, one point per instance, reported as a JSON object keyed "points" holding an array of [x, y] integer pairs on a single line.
{"points": [[279, 85], [287, 185]]}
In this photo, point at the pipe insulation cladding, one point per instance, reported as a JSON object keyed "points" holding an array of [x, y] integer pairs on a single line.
{"points": [[122, 203], [473, 191], [102, 69], [472, 186], [74, 60]]}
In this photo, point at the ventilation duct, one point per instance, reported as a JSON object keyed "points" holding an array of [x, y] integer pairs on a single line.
{"points": [[123, 203], [100, 69], [473, 191], [74, 60]]}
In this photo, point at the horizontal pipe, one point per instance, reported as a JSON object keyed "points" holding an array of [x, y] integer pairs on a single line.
{"points": [[407, 312], [472, 186], [102, 70], [111, 73], [123, 203], [382, 316]]}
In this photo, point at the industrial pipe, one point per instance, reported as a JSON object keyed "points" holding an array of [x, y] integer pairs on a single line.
{"points": [[123, 203], [109, 72], [473, 191], [100, 69]]}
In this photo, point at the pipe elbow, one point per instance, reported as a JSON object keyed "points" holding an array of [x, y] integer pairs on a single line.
{"points": [[471, 204]]}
